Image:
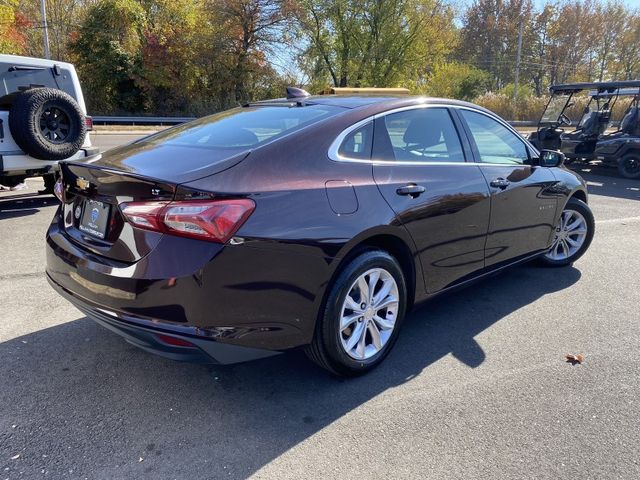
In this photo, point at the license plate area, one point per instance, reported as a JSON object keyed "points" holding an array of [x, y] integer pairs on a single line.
{"points": [[94, 218]]}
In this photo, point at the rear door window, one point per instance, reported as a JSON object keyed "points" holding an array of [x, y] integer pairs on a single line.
{"points": [[419, 135]]}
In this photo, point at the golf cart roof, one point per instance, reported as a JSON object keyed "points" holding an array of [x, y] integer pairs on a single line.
{"points": [[600, 86], [621, 92]]}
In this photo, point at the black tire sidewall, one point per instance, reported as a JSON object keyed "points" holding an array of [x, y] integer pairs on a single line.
{"points": [[585, 211], [340, 361], [24, 123], [621, 166]]}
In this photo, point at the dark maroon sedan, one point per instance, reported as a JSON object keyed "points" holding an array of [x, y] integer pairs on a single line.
{"points": [[313, 222]]}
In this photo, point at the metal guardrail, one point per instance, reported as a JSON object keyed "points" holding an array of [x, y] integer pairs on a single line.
{"points": [[116, 120]]}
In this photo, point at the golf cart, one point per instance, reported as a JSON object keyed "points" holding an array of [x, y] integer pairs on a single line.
{"points": [[621, 148], [581, 142]]}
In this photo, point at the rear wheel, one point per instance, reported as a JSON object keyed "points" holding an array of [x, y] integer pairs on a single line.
{"points": [[573, 234], [362, 315], [629, 166]]}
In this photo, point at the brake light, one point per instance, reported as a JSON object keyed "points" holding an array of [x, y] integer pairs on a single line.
{"points": [[212, 220], [88, 121]]}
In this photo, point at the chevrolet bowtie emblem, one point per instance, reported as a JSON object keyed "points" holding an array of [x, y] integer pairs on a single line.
{"points": [[82, 184]]}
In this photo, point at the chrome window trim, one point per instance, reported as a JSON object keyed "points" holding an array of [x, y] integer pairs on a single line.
{"points": [[335, 145]]}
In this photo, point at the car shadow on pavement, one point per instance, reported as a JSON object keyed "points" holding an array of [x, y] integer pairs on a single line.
{"points": [[76, 397], [21, 205], [606, 181]]}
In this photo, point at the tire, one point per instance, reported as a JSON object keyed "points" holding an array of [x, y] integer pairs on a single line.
{"points": [[629, 166], [330, 345], [566, 253], [47, 124]]}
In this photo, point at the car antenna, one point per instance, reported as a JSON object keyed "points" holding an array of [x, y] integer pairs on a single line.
{"points": [[295, 92]]}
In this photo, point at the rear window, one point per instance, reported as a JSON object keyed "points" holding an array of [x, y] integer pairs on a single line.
{"points": [[245, 127]]}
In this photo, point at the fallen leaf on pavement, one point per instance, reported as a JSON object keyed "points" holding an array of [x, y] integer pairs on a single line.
{"points": [[574, 359]]}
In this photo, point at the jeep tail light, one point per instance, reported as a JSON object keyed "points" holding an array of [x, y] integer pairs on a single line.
{"points": [[88, 121], [211, 220]]}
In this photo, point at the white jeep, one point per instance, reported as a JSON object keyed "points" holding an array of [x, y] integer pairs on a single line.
{"points": [[43, 119]]}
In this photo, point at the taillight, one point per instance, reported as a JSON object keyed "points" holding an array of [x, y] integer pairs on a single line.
{"points": [[58, 190], [212, 220], [88, 121]]}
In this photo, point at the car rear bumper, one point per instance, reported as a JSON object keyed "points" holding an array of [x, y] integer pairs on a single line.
{"points": [[145, 334], [261, 298]]}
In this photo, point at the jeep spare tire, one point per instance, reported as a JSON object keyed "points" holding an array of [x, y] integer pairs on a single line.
{"points": [[47, 123]]}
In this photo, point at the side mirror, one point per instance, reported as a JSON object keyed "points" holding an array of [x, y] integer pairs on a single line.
{"points": [[550, 158]]}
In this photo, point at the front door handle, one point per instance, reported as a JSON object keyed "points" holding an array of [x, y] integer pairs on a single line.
{"points": [[500, 183], [411, 189]]}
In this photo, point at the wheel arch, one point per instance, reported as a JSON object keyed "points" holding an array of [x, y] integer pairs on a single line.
{"points": [[580, 194], [393, 239]]}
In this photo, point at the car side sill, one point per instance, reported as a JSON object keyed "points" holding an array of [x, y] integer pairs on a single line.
{"points": [[481, 276]]}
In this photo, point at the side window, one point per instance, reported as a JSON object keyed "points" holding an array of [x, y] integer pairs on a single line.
{"points": [[419, 135], [495, 142], [357, 145]]}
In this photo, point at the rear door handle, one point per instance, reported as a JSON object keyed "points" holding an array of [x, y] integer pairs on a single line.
{"points": [[411, 190], [500, 183]]}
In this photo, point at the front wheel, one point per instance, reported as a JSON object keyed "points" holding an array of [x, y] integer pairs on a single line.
{"points": [[629, 166], [362, 315], [572, 236]]}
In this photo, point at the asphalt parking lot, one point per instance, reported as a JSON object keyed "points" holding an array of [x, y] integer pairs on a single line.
{"points": [[476, 388]]}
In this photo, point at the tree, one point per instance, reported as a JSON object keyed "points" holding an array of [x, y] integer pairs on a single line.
{"points": [[490, 37], [374, 42], [107, 48], [457, 80], [252, 29], [12, 40]]}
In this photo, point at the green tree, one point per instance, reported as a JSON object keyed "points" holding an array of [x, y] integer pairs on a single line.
{"points": [[457, 80], [107, 49], [374, 42]]}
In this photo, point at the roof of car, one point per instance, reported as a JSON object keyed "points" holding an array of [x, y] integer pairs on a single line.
{"points": [[357, 101], [30, 61]]}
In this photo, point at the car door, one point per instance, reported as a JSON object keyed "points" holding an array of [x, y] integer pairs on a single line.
{"points": [[420, 167], [522, 207]]}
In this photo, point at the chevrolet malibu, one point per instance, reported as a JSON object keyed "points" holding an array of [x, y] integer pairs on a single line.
{"points": [[310, 222]]}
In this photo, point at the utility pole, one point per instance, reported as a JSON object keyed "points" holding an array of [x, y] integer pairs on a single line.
{"points": [[45, 28], [517, 76]]}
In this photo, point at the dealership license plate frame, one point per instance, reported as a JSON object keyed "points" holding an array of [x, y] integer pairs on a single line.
{"points": [[94, 224]]}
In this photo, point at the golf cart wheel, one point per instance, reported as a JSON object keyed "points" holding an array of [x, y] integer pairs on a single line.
{"points": [[629, 166], [47, 124]]}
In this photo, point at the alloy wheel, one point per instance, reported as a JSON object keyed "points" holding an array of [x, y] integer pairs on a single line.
{"points": [[570, 235], [55, 125], [368, 314]]}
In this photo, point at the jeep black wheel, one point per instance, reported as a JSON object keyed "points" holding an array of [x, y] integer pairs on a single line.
{"points": [[47, 123], [629, 166]]}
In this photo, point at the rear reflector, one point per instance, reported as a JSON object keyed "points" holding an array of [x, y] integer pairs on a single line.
{"points": [[174, 341], [58, 190], [212, 220]]}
